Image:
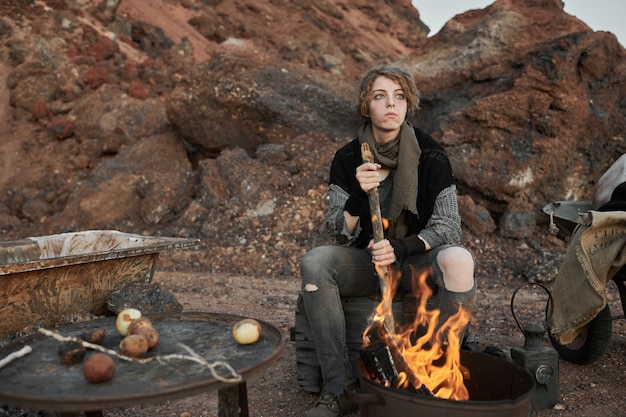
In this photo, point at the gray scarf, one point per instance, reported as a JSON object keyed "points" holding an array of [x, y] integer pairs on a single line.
{"points": [[401, 154]]}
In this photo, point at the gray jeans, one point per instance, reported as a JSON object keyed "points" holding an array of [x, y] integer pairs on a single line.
{"points": [[331, 272]]}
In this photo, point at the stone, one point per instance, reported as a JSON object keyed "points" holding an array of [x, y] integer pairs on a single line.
{"points": [[147, 298]]}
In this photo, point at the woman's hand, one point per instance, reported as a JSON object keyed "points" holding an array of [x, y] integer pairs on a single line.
{"points": [[367, 175], [382, 252]]}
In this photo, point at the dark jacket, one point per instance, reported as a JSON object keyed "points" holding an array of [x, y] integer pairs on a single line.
{"points": [[434, 175]]}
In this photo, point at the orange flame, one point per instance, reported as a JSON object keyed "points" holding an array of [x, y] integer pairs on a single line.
{"points": [[435, 355], [383, 221]]}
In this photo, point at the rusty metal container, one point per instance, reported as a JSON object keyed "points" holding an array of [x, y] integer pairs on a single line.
{"points": [[497, 388], [45, 277]]}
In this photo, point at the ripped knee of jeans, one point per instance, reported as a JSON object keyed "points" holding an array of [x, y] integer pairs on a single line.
{"points": [[310, 288]]}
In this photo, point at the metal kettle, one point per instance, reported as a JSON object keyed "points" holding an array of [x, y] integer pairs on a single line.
{"points": [[538, 358]]}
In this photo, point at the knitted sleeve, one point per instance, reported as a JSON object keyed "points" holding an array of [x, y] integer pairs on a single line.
{"points": [[335, 223], [444, 225]]}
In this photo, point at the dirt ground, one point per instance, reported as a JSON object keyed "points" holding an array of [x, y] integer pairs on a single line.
{"points": [[585, 391]]}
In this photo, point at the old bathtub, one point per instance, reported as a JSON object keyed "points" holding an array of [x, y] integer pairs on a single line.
{"points": [[43, 278]]}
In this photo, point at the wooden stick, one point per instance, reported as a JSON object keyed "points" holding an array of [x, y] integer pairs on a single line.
{"points": [[15, 355], [379, 234], [372, 196]]}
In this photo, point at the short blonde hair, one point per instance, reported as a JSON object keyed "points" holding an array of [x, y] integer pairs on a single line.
{"points": [[398, 74]]}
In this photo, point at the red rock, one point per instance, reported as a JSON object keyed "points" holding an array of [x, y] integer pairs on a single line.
{"points": [[40, 110], [137, 90], [95, 77]]}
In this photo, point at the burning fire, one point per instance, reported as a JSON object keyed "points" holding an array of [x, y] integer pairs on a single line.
{"points": [[429, 351]]}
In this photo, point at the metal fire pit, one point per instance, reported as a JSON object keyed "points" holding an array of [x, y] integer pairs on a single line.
{"points": [[40, 381], [497, 388]]}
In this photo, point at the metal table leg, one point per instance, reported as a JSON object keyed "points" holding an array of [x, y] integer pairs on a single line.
{"points": [[233, 401]]}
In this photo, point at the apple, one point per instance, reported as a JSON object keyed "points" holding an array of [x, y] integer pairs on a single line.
{"points": [[142, 321], [99, 368], [134, 346], [150, 334], [124, 319], [247, 331]]}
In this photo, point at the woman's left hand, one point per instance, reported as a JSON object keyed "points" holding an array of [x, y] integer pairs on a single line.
{"points": [[382, 252]]}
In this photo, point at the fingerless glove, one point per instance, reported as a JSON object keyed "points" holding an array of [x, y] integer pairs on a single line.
{"points": [[408, 246]]}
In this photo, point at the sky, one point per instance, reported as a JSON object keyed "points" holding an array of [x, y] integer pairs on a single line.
{"points": [[599, 15]]}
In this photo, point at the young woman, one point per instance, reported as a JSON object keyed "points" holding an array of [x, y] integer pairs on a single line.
{"points": [[417, 196]]}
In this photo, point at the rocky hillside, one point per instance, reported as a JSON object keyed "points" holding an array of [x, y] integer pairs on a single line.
{"points": [[218, 119]]}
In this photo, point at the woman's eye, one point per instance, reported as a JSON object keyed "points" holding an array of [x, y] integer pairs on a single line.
{"points": [[400, 96], [379, 96]]}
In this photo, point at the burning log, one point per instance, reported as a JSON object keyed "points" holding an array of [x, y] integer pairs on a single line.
{"points": [[379, 364], [379, 234], [383, 359]]}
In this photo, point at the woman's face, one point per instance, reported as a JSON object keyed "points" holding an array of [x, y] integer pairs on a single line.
{"points": [[387, 108]]}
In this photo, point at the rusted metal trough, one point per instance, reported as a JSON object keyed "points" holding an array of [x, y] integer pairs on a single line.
{"points": [[43, 278]]}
